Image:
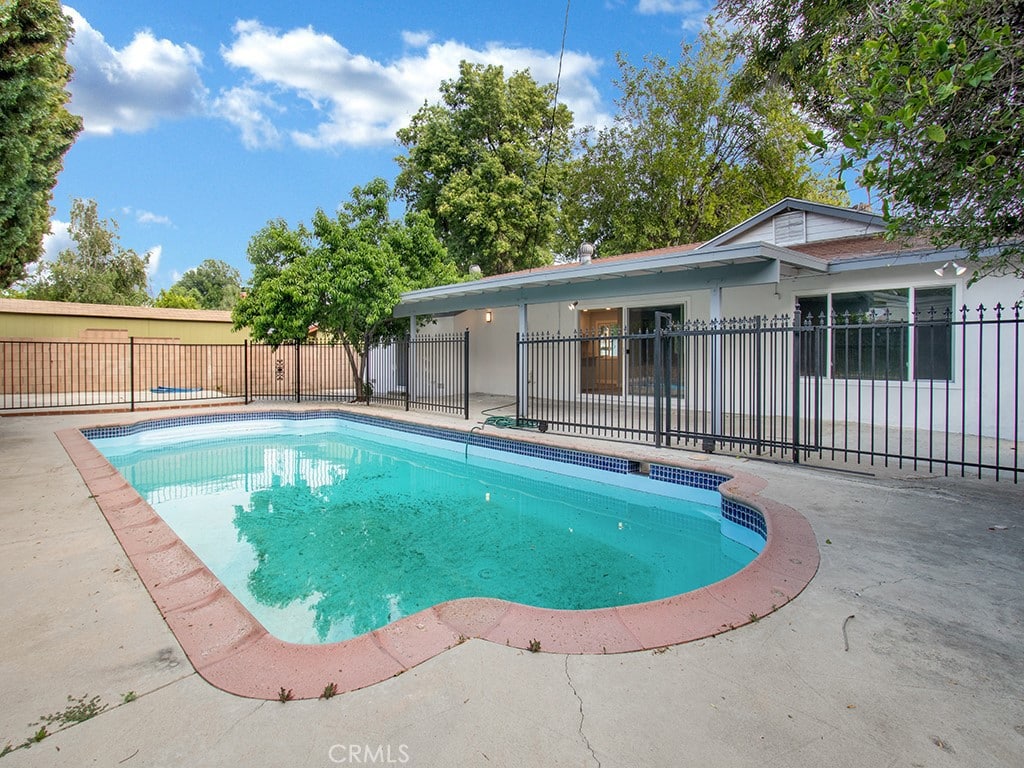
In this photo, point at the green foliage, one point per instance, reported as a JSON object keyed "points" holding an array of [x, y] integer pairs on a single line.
{"points": [[173, 298], [345, 275], [486, 164], [36, 130], [214, 284], [97, 270], [284, 696], [686, 158], [78, 710], [923, 98], [330, 691]]}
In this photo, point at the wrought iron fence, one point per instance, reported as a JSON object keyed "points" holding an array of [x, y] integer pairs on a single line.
{"points": [[423, 372], [429, 372], [936, 392]]}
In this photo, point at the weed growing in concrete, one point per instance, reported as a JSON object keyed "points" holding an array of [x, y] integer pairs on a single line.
{"points": [[330, 690], [129, 697], [77, 711], [534, 646], [285, 696]]}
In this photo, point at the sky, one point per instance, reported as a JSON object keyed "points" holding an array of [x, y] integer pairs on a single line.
{"points": [[205, 120]]}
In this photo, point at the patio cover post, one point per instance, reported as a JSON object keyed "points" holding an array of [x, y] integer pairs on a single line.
{"points": [[411, 361], [521, 395]]}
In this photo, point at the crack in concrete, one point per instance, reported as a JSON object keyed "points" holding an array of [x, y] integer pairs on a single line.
{"points": [[885, 583], [579, 730]]}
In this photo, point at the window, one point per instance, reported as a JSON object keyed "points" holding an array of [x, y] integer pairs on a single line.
{"points": [[933, 334], [640, 354], [813, 345], [871, 334]]}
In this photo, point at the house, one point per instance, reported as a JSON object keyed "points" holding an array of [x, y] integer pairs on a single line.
{"points": [[891, 315]]}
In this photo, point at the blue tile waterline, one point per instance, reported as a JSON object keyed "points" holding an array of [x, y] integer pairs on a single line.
{"points": [[746, 519]]}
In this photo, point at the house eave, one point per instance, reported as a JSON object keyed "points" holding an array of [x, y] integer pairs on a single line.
{"points": [[745, 264]]}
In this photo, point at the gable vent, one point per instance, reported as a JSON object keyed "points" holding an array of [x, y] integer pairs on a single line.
{"points": [[790, 228]]}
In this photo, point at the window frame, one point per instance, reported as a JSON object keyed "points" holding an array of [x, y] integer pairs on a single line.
{"points": [[912, 361]]}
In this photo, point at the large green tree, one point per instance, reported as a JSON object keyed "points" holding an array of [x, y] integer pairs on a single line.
{"points": [[923, 97], [344, 274], [97, 270], [36, 130], [214, 284], [486, 165], [686, 157]]}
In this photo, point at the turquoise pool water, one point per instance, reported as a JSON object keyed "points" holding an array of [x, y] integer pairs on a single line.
{"points": [[325, 529]]}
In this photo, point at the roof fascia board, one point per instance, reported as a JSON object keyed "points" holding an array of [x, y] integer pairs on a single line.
{"points": [[905, 259], [595, 269], [702, 278]]}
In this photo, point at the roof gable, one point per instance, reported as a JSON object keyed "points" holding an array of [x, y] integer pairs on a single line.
{"points": [[792, 222]]}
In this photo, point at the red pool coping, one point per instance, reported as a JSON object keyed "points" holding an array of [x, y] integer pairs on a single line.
{"points": [[232, 651]]}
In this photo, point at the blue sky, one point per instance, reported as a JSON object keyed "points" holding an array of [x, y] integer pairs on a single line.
{"points": [[204, 120]]}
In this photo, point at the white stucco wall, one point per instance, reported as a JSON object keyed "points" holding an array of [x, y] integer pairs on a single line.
{"points": [[493, 363]]}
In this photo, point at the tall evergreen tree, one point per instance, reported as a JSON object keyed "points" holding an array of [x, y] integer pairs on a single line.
{"points": [[36, 130]]}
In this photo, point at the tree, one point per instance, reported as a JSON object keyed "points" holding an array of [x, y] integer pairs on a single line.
{"points": [[173, 298], [97, 270], [923, 97], [486, 164], [214, 284], [36, 130], [686, 157], [345, 275]]}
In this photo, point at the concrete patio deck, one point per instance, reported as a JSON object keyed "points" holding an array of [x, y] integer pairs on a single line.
{"points": [[934, 674]]}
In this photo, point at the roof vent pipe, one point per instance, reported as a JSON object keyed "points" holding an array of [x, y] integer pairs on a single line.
{"points": [[585, 252]]}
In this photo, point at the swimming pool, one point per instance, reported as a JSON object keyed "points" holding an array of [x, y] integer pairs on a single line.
{"points": [[328, 528], [231, 650]]}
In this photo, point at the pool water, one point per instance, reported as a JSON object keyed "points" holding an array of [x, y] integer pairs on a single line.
{"points": [[325, 531]]}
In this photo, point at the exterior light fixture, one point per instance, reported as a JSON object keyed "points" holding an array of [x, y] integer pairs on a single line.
{"points": [[488, 316], [959, 269], [573, 305]]}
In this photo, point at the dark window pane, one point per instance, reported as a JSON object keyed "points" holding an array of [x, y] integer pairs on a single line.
{"points": [[640, 352], [869, 338], [933, 334], [813, 312]]}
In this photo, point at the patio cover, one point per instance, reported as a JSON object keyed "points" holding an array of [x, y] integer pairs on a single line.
{"points": [[680, 269]]}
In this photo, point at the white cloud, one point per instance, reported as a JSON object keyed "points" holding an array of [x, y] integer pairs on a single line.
{"points": [[244, 107], [154, 254], [416, 39], [693, 13], [148, 217], [57, 239], [362, 102], [132, 88]]}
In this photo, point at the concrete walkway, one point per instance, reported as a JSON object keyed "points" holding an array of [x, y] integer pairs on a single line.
{"points": [[934, 674]]}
